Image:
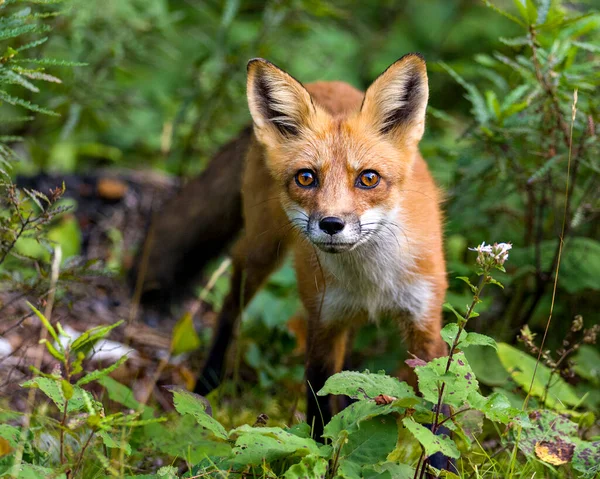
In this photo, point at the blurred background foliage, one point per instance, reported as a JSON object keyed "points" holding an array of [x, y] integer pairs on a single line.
{"points": [[163, 87]]}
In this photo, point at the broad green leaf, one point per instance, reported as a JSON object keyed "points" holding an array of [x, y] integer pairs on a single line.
{"points": [[496, 407], [368, 445], [586, 458], [349, 420], [521, 367], [53, 388], [189, 403], [181, 435], [366, 385], [546, 426], [487, 366], [100, 373], [310, 467], [50, 387], [388, 470], [466, 339], [185, 338], [120, 393], [255, 445], [167, 472], [432, 443], [31, 471], [460, 380], [587, 363]]}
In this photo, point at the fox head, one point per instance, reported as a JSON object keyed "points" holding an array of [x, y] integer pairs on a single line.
{"points": [[341, 176]]}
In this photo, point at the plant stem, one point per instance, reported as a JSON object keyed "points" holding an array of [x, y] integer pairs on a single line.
{"points": [[81, 454], [483, 279]]}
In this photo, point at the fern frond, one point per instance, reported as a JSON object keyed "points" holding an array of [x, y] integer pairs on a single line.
{"points": [[13, 100]]}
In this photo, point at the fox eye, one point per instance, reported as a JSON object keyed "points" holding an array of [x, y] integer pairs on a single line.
{"points": [[306, 179], [368, 179]]}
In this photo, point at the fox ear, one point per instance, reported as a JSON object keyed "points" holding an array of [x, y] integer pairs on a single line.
{"points": [[395, 102], [280, 106]]}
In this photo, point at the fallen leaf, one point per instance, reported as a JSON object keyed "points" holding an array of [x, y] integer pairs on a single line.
{"points": [[555, 452]]}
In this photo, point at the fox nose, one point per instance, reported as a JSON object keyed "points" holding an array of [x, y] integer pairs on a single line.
{"points": [[332, 225]]}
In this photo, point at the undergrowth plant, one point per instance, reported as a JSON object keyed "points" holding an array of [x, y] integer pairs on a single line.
{"points": [[25, 214], [512, 166], [58, 445], [372, 437]]}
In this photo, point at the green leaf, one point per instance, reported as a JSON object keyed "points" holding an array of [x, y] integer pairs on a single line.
{"points": [[120, 393], [86, 341], [13, 100], [459, 317], [388, 470], [45, 322], [349, 420], [31, 471], [479, 108], [468, 281], [523, 10], [55, 390], [112, 443], [189, 403], [310, 467], [67, 389], [586, 458], [487, 366], [50, 387], [460, 380], [357, 385], [450, 331], [521, 367], [545, 426], [52, 350], [368, 445], [432, 443], [496, 407], [587, 363], [100, 373], [503, 12], [256, 445], [184, 339]]}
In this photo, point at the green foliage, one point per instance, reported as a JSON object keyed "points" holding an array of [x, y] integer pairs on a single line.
{"points": [[163, 85], [557, 393]]}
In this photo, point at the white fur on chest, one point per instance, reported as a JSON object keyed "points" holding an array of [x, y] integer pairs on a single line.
{"points": [[377, 278]]}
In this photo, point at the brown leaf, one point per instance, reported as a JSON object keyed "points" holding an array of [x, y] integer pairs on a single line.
{"points": [[555, 452], [413, 363], [4, 447], [383, 399]]}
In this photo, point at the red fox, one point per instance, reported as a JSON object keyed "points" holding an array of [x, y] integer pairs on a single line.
{"points": [[334, 176]]}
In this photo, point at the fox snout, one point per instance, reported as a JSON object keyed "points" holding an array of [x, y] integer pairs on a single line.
{"points": [[332, 225], [334, 233]]}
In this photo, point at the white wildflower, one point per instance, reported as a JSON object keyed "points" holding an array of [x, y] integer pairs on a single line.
{"points": [[492, 255]]}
